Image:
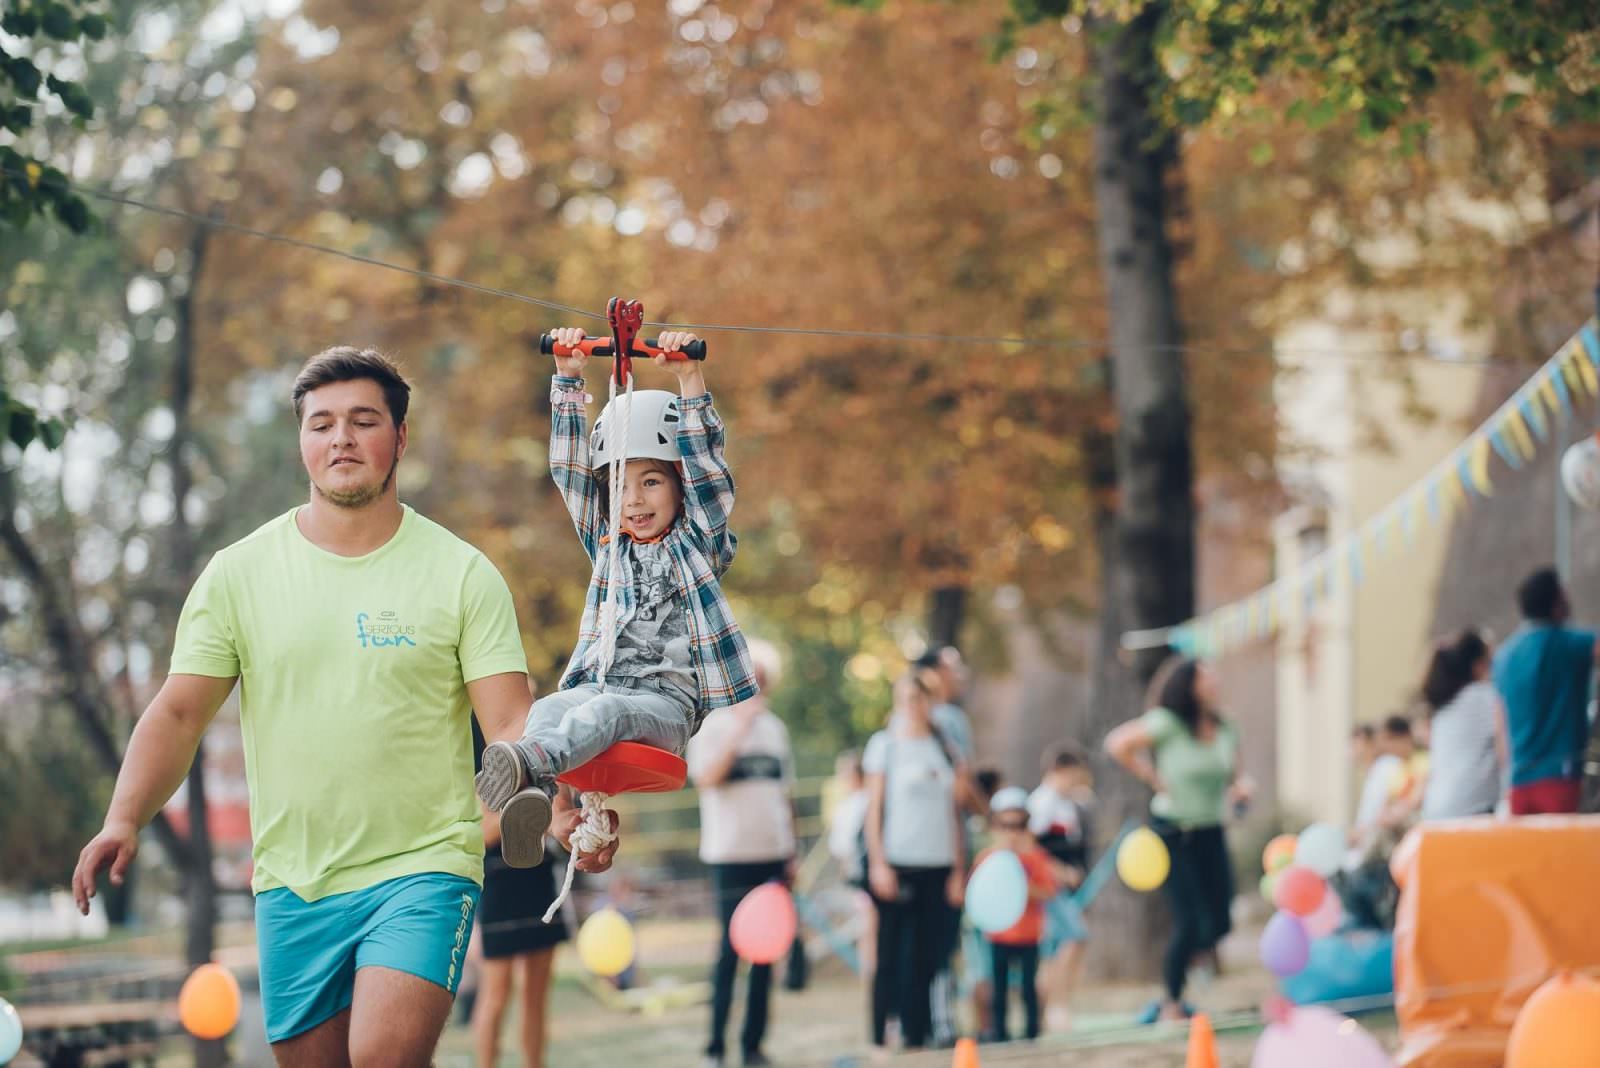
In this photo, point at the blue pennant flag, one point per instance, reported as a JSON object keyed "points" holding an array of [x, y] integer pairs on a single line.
{"points": [[1559, 381], [1534, 418], [1508, 454]]}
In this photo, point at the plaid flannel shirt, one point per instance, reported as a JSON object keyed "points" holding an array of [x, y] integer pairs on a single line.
{"points": [[701, 545]]}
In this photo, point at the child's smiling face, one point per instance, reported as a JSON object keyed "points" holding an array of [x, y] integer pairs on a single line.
{"points": [[651, 497]]}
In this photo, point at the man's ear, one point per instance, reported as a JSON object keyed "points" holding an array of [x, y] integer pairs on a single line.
{"points": [[400, 444]]}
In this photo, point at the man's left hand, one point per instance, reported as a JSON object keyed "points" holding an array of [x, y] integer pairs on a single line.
{"points": [[565, 820]]}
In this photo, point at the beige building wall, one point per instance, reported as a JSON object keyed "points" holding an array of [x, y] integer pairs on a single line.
{"points": [[1358, 432]]}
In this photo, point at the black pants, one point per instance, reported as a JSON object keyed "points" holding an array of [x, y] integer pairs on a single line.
{"points": [[910, 937], [1026, 958], [1200, 892], [730, 883]]}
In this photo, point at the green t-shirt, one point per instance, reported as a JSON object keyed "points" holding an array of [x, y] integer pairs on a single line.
{"points": [[353, 704], [1196, 773]]}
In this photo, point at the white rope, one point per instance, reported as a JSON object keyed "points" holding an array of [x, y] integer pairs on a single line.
{"points": [[621, 420], [593, 834]]}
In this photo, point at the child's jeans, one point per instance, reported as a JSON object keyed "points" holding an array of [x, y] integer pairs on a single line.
{"points": [[569, 728], [1026, 958]]}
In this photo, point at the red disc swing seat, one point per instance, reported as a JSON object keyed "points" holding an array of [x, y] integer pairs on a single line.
{"points": [[629, 768]]}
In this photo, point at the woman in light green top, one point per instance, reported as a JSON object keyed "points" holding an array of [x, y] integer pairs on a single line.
{"points": [[1187, 753]]}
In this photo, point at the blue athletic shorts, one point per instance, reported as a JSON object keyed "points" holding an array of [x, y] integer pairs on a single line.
{"points": [[310, 950]]}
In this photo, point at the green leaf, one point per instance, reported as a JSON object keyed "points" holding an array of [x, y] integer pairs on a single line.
{"points": [[52, 432], [22, 425], [20, 23], [93, 27], [59, 23], [25, 76], [74, 214], [1511, 102], [1261, 153]]}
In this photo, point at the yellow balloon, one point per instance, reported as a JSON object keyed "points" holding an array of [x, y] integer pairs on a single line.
{"points": [[1142, 860], [605, 943]]}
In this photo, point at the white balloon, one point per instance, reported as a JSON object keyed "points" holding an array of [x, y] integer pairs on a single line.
{"points": [[1580, 472], [1320, 847]]}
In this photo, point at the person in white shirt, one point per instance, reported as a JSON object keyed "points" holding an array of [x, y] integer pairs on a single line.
{"points": [[1380, 770], [742, 764]]}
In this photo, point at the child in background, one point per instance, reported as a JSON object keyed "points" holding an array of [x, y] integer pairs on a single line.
{"points": [[1019, 944], [1059, 817], [845, 810], [977, 979]]}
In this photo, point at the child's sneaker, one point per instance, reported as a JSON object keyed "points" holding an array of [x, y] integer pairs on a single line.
{"points": [[503, 774], [523, 823]]}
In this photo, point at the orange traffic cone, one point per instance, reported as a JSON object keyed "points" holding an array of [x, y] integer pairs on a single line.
{"points": [[1202, 1044], [966, 1053]]}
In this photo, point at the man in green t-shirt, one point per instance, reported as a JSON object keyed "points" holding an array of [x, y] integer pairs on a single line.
{"points": [[363, 637]]}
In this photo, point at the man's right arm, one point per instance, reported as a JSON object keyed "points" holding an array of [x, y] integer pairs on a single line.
{"points": [[163, 746]]}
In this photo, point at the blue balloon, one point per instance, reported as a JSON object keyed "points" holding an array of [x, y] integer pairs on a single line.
{"points": [[1356, 964], [997, 893], [10, 1032]]}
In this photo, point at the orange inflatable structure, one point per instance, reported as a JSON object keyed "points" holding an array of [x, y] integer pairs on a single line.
{"points": [[1489, 910]]}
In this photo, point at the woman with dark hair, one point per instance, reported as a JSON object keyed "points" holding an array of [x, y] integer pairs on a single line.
{"points": [[916, 856], [1468, 752], [1188, 755]]}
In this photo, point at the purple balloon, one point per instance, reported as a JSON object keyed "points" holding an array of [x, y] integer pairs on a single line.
{"points": [[1285, 946], [1314, 1037]]}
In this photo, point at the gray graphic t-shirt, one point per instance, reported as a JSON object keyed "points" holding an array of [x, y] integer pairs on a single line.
{"points": [[653, 639]]}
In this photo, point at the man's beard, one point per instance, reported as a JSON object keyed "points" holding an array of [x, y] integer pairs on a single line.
{"points": [[358, 498]]}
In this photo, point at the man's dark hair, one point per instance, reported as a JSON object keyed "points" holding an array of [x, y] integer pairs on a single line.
{"points": [[1397, 727], [346, 363], [1539, 595], [1066, 754], [929, 659], [988, 781]]}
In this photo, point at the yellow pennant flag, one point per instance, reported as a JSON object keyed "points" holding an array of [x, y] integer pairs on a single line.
{"points": [[1547, 392], [1517, 429], [1478, 465], [1580, 360], [1454, 495], [1569, 371]]}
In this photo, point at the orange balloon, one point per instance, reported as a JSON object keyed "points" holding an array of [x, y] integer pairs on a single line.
{"points": [[1279, 853], [1559, 1024], [208, 1004], [1299, 890]]}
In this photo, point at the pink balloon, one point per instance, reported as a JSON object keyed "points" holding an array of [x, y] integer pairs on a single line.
{"points": [[1314, 1037], [1326, 920], [764, 924]]}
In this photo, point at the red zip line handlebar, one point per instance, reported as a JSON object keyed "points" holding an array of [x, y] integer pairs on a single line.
{"points": [[625, 317], [645, 348]]}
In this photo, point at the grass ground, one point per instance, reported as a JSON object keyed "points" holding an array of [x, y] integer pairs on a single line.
{"points": [[826, 1023], [822, 1025]]}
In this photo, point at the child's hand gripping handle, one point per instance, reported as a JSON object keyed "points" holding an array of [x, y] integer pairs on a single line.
{"points": [[644, 348]]}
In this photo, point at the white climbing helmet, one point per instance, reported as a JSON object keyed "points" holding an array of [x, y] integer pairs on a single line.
{"points": [[652, 428], [1009, 799]]}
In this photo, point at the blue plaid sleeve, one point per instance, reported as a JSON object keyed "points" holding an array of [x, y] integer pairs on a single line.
{"points": [[569, 459], [708, 484]]}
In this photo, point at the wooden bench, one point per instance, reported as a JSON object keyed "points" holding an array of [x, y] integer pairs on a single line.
{"points": [[95, 1035]]}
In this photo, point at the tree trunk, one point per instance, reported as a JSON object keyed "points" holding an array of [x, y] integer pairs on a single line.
{"points": [[82, 687], [199, 883], [947, 610], [1147, 535]]}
